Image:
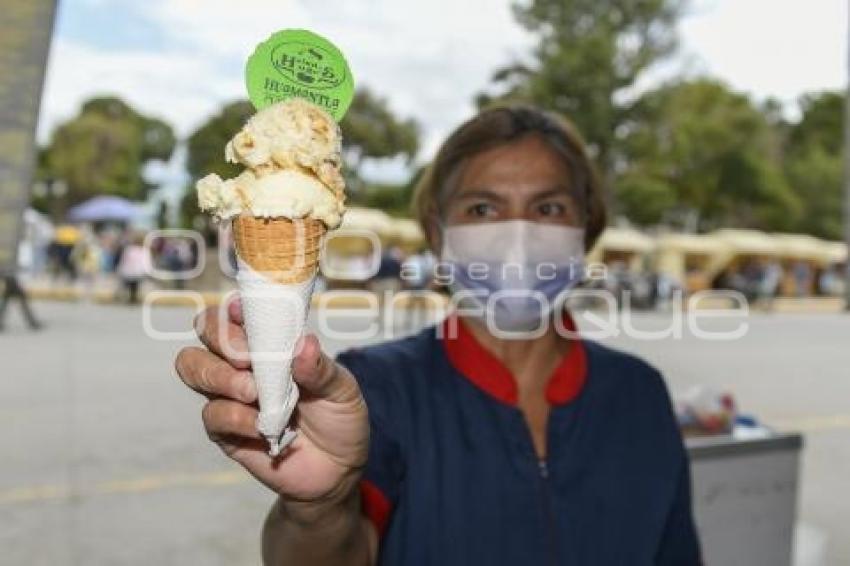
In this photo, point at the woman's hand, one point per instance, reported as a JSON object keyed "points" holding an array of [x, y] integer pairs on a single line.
{"points": [[322, 466]]}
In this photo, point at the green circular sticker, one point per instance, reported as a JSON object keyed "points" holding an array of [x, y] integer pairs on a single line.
{"points": [[299, 63]]}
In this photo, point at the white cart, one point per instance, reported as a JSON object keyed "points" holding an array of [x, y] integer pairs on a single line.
{"points": [[745, 498]]}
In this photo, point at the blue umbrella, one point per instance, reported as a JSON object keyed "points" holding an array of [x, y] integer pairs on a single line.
{"points": [[104, 208]]}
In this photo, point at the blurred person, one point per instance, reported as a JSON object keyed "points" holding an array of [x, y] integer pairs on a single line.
{"points": [[667, 288], [768, 286], [176, 256], [644, 289], [477, 447], [86, 256], [618, 281], [801, 271], [12, 289], [111, 241], [133, 266], [743, 278], [32, 249], [122, 240], [751, 275], [60, 260], [830, 282]]}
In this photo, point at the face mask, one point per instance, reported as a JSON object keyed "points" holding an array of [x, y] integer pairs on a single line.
{"points": [[513, 270]]}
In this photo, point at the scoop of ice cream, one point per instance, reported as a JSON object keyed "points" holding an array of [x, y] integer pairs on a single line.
{"points": [[293, 134], [282, 193], [291, 151], [221, 198]]}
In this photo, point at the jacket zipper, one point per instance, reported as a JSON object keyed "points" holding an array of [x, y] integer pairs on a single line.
{"points": [[545, 493], [546, 504]]}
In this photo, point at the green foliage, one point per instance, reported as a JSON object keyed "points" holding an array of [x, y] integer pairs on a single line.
{"points": [[206, 145], [821, 124], [371, 131], [646, 198], [104, 149], [816, 177], [392, 199], [814, 165], [717, 153], [190, 213], [690, 149], [588, 53], [753, 193], [205, 155]]}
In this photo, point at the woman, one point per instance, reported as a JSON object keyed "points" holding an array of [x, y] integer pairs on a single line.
{"points": [[496, 437], [133, 266]]}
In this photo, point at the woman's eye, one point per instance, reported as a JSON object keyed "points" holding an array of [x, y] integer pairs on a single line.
{"points": [[551, 209], [480, 210]]}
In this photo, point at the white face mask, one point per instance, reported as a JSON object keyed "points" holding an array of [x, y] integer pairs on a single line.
{"points": [[514, 270]]}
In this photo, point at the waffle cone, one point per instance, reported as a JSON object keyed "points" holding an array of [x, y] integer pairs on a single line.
{"points": [[283, 250]]}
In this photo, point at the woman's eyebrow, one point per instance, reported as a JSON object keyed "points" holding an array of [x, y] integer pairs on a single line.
{"points": [[552, 192], [481, 194]]}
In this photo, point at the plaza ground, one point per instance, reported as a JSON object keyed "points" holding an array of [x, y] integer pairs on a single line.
{"points": [[105, 460]]}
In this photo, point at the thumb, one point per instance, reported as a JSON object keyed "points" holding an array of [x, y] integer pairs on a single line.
{"points": [[319, 375]]}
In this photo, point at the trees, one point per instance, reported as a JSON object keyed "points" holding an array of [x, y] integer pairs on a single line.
{"points": [[691, 153], [205, 146], [686, 151], [697, 148], [372, 131], [589, 53], [813, 163], [205, 155], [104, 149], [392, 199]]}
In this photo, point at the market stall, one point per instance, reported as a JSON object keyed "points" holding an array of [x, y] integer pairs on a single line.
{"points": [[740, 255], [685, 258], [353, 251], [803, 258], [622, 245]]}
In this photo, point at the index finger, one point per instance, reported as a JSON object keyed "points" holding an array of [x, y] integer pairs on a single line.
{"points": [[213, 377], [217, 330]]}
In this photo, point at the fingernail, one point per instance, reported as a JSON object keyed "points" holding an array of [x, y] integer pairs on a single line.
{"points": [[234, 308]]}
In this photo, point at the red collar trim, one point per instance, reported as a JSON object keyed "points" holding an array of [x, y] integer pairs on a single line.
{"points": [[487, 372]]}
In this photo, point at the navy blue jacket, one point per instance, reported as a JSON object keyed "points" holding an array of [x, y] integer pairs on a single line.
{"points": [[453, 478]]}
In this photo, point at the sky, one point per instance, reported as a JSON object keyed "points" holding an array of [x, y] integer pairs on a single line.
{"points": [[180, 60]]}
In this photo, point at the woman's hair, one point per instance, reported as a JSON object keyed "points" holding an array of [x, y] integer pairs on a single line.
{"points": [[499, 126]]}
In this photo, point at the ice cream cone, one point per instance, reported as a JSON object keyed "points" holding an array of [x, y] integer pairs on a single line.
{"points": [[284, 250], [289, 194], [278, 261]]}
